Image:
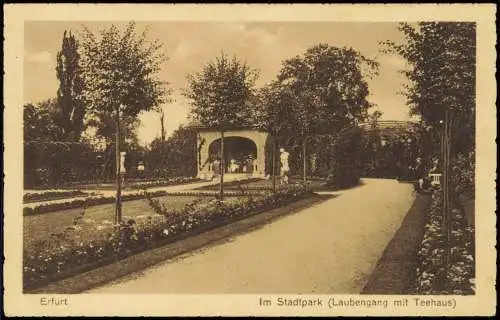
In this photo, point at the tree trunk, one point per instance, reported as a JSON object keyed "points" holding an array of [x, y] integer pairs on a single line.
{"points": [[304, 160], [274, 163], [118, 206], [222, 166]]}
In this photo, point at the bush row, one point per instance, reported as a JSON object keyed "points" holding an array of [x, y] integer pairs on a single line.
{"points": [[163, 183], [435, 275], [69, 257], [80, 203], [50, 195]]}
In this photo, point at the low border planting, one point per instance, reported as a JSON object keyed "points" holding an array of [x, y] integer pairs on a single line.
{"points": [[433, 276], [163, 183], [71, 257], [80, 203], [234, 183], [51, 195], [132, 181]]}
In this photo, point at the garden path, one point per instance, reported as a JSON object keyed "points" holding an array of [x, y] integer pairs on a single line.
{"points": [[331, 247]]}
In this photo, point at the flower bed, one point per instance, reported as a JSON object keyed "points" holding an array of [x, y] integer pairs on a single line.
{"points": [[46, 264], [51, 195], [434, 275]]}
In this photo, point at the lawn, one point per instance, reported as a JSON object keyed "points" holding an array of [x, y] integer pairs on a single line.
{"points": [[97, 221]]}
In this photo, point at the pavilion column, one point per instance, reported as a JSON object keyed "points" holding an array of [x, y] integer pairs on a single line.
{"points": [[203, 166]]}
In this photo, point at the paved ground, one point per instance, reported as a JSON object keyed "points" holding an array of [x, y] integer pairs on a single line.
{"points": [[331, 247]]}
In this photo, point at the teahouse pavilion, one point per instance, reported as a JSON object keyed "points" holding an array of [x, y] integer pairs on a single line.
{"points": [[244, 151]]}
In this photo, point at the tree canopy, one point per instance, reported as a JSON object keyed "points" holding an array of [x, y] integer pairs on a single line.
{"points": [[221, 93], [442, 75], [314, 96], [329, 88], [120, 69]]}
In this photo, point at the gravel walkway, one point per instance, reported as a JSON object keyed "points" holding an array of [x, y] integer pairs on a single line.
{"points": [[331, 247]]}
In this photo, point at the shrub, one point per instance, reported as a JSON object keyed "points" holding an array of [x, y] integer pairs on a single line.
{"points": [[345, 167]]}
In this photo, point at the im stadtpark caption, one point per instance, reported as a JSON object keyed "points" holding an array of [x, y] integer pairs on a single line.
{"points": [[357, 302]]}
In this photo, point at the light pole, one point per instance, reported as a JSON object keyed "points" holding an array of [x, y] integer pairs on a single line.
{"points": [[304, 164], [274, 162]]}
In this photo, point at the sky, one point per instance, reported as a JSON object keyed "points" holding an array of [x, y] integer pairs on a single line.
{"points": [[189, 45]]}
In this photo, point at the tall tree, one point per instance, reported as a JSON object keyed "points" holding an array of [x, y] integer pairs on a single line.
{"points": [[221, 96], [121, 81], [69, 93], [442, 59], [318, 93]]}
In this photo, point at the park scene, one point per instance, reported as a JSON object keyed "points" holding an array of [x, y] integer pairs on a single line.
{"points": [[204, 157]]}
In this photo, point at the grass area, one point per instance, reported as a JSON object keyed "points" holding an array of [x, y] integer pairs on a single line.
{"points": [[97, 220], [395, 271]]}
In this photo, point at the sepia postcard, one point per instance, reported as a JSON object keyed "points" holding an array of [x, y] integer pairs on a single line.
{"points": [[249, 160]]}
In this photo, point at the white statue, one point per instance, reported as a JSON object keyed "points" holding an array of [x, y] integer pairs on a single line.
{"points": [[284, 165]]}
